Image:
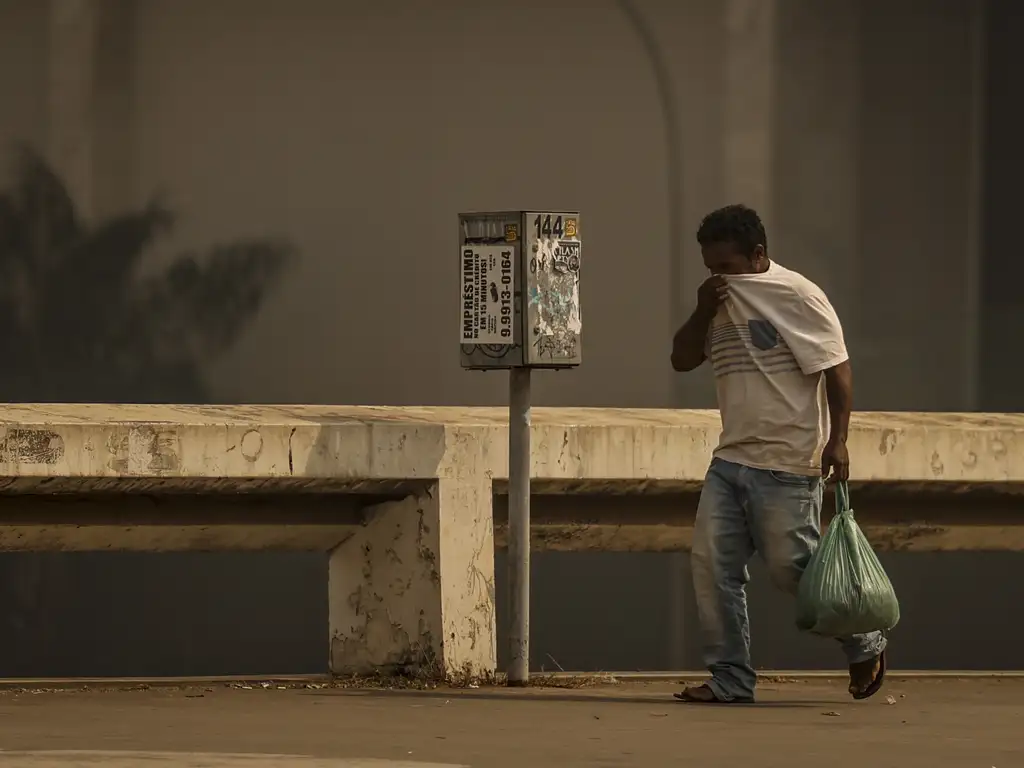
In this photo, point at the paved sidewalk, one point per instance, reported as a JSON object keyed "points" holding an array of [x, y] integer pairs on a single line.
{"points": [[931, 724]]}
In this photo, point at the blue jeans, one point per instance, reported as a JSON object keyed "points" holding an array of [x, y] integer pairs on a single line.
{"points": [[743, 510]]}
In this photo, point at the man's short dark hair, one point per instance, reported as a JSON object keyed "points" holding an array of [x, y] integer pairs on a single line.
{"points": [[735, 224]]}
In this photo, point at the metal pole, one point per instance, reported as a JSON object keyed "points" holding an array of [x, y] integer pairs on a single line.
{"points": [[519, 526]]}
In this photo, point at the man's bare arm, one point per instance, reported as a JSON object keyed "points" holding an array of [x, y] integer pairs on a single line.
{"points": [[688, 343], [839, 390]]}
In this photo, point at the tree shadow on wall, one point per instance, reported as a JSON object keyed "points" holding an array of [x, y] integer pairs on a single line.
{"points": [[82, 323], [84, 320]]}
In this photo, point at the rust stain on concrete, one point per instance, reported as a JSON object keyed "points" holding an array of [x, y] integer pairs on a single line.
{"points": [[887, 441], [163, 450], [252, 444], [144, 449], [31, 446]]}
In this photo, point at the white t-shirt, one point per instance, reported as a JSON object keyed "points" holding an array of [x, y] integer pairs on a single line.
{"points": [[768, 345]]}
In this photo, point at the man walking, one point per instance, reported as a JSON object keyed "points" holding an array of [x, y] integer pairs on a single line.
{"points": [[785, 392]]}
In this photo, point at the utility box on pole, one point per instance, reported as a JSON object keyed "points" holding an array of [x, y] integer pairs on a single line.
{"points": [[520, 289], [519, 298]]}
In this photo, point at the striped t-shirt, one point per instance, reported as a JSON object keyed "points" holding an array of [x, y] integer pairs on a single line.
{"points": [[771, 340]]}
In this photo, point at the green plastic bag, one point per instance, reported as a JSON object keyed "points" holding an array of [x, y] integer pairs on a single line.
{"points": [[845, 591]]}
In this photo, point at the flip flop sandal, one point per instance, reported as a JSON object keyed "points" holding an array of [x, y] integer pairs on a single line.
{"points": [[876, 683], [702, 694]]}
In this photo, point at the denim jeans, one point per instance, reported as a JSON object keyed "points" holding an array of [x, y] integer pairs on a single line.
{"points": [[743, 510]]}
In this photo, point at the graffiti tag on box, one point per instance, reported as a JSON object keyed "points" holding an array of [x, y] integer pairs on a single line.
{"points": [[555, 298]]}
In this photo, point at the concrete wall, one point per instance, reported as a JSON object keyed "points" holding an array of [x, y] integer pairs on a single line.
{"points": [[1002, 269], [358, 130], [23, 35], [873, 186]]}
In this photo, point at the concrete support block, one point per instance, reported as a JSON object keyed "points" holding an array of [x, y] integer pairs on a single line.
{"points": [[748, 109], [71, 99], [413, 590]]}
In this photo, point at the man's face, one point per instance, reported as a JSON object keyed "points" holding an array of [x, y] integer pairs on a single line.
{"points": [[725, 259]]}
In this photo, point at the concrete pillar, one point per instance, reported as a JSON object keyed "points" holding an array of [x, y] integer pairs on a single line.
{"points": [[727, 133], [852, 126], [917, 131], [790, 134], [1001, 268], [749, 61], [115, 143], [90, 92], [974, 248], [413, 590], [70, 90], [814, 181]]}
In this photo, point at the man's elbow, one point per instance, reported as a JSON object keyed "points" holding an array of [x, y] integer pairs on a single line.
{"points": [[684, 364]]}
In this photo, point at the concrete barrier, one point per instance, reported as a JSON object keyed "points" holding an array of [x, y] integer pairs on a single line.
{"points": [[402, 498]]}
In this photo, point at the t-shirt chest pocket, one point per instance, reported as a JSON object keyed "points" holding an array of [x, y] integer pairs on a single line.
{"points": [[763, 335]]}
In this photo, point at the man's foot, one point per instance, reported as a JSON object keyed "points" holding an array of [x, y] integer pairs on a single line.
{"points": [[702, 694], [866, 677]]}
